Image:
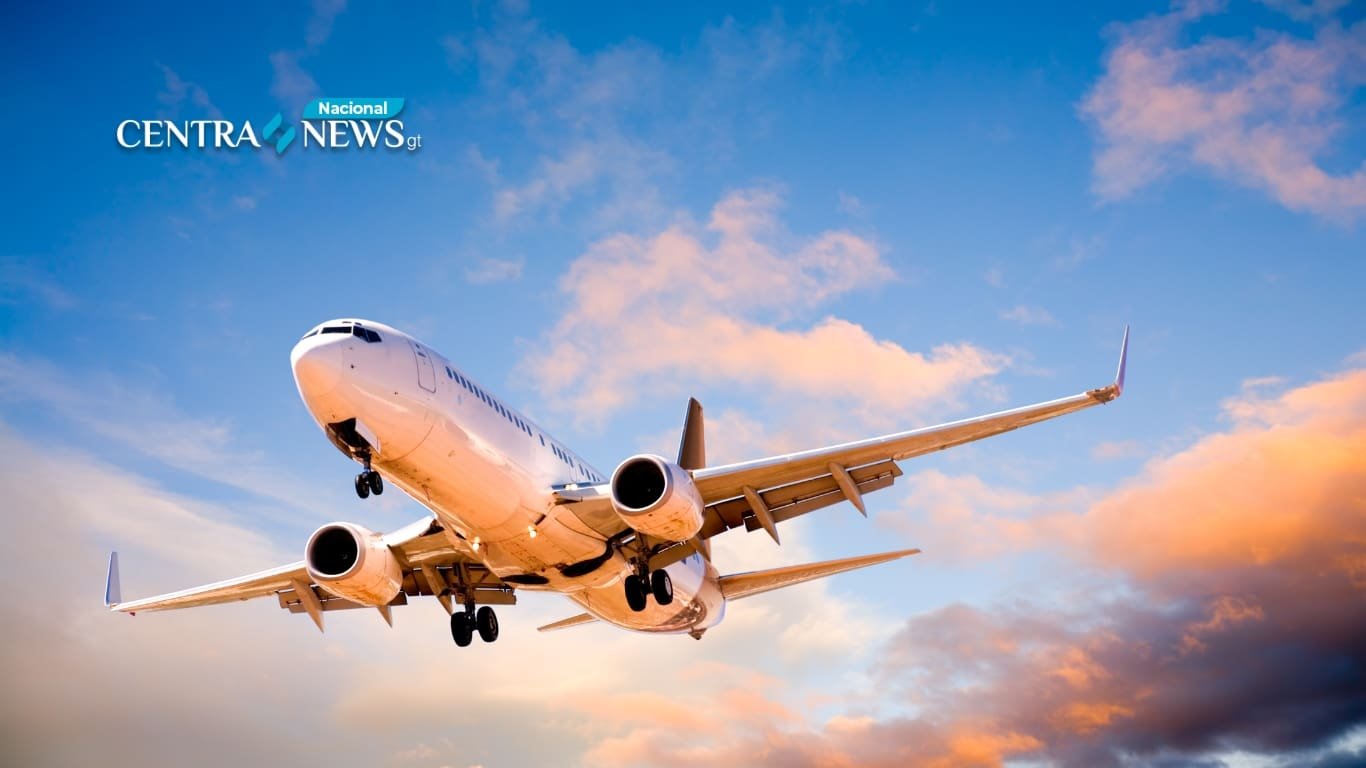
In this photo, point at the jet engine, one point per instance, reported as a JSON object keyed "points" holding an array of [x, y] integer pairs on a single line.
{"points": [[657, 498], [353, 563]]}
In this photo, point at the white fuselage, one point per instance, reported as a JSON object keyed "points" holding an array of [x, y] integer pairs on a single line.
{"points": [[487, 472]]}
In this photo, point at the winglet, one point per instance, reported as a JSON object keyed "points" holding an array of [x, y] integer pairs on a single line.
{"points": [[1111, 391], [112, 593], [1123, 361]]}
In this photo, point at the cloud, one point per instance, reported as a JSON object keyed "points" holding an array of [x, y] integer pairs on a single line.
{"points": [[650, 313], [852, 205], [1262, 111], [1027, 315], [601, 120], [146, 424], [495, 271], [1306, 10], [319, 29], [1215, 612], [292, 85], [212, 686], [21, 282], [66, 658], [178, 91], [1108, 450]]}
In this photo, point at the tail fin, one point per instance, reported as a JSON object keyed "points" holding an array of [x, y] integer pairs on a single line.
{"points": [[692, 448], [692, 454], [113, 595], [740, 585]]}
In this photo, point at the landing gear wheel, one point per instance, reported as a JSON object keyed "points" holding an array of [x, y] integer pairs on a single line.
{"points": [[462, 628], [362, 486], [662, 587], [635, 593], [487, 622], [375, 481]]}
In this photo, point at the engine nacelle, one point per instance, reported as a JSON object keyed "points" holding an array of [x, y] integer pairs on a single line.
{"points": [[353, 563], [657, 498]]}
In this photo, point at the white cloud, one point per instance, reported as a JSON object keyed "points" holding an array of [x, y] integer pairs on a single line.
{"points": [[601, 120], [21, 282], [292, 85], [1261, 111], [495, 271], [145, 423], [1027, 315], [178, 91], [651, 314]]}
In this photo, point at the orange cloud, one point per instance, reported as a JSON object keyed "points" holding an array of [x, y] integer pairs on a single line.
{"points": [[686, 305], [1288, 482], [1237, 623]]}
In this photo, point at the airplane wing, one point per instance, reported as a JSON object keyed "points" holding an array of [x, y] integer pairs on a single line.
{"points": [[429, 558], [761, 493]]}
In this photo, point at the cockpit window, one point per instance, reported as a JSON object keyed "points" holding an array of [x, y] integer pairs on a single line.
{"points": [[310, 333], [359, 332]]}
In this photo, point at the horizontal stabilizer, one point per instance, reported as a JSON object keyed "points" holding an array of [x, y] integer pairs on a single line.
{"points": [[572, 621], [740, 585]]}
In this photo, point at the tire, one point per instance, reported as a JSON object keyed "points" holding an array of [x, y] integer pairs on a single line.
{"points": [[375, 481], [487, 621], [635, 593], [662, 587], [362, 486], [462, 629]]}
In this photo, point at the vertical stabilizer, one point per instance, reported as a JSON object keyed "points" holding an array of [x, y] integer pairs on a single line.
{"points": [[692, 454], [692, 449]]}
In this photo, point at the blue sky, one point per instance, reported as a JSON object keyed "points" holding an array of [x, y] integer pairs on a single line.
{"points": [[979, 196]]}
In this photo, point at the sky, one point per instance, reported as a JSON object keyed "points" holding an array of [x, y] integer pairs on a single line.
{"points": [[823, 221]]}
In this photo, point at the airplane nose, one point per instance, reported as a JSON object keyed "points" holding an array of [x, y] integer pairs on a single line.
{"points": [[317, 364]]}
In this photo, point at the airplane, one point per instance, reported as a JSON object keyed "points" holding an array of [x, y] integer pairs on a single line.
{"points": [[512, 508]]}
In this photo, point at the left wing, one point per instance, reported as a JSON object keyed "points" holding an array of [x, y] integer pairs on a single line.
{"points": [[433, 563], [761, 493]]}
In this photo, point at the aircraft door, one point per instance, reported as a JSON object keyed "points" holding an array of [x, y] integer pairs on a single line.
{"points": [[426, 375]]}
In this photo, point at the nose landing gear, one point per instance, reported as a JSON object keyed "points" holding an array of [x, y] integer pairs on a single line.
{"points": [[368, 481]]}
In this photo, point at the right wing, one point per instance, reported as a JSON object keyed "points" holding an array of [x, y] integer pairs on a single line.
{"points": [[433, 563], [761, 493]]}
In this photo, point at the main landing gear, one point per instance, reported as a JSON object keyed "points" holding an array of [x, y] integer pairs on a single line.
{"points": [[368, 481], [643, 583], [465, 623]]}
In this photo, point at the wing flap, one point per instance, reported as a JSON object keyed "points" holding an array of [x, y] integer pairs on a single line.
{"points": [[291, 601], [789, 501]]}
